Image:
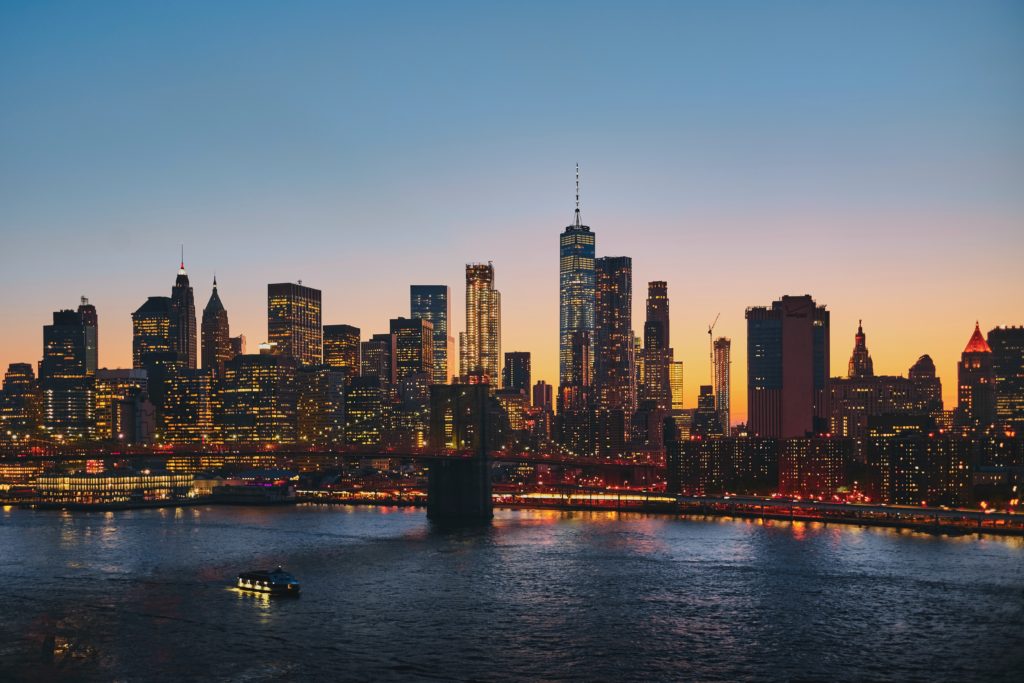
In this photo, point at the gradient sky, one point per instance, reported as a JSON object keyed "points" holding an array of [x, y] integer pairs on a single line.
{"points": [[868, 153]]}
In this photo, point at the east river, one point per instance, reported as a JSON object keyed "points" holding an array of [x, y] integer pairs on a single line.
{"points": [[146, 596]]}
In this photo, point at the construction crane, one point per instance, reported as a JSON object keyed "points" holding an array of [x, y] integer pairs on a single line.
{"points": [[711, 349]]}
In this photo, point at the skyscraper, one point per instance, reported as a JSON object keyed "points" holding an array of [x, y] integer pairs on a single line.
{"points": [[183, 319], [1007, 344], [90, 323], [675, 381], [860, 359], [414, 347], [293, 322], [341, 347], [482, 352], [378, 358], [66, 353], [576, 290], [516, 374], [723, 362], [433, 303], [614, 369], [976, 382], [151, 329], [543, 395], [787, 368], [216, 334], [657, 353]]}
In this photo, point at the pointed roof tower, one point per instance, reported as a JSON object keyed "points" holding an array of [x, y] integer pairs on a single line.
{"points": [[214, 304], [977, 343]]}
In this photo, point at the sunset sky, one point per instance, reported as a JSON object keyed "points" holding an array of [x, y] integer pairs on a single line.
{"points": [[871, 155]]}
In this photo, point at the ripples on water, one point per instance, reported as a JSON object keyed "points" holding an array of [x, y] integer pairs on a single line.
{"points": [[145, 595]]}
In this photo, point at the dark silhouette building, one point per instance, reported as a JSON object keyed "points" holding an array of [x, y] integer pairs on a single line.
{"points": [[1007, 344], [414, 347], [787, 368], [976, 381], [216, 334], [151, 330], [516, 373], [183, 320], [655, 388]]}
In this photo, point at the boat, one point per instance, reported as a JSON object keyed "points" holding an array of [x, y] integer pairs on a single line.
{"points": [[274, 582]]}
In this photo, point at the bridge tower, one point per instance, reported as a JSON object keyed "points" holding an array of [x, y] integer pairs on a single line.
{"points": [[459, 488]]}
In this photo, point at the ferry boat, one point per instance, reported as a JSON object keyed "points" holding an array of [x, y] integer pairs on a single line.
{"points": [[276, 582]]}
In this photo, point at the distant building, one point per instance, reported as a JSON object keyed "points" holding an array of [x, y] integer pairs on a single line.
{"points": [[722, 355], [656, 386], [976, 380], [787, 368], [707, 420], [414, 347], [433, 303], [817, 467], [258, 399], [183, 320], [237, 345], [481, 350], [675, 381], [66, 352], [20, 404], [516, 374], [187, 410], [216, 335], [543, 395], [341, 348], [860, 360], [320, 405], [151, 330], [378, 358], [365, 411], [1007, 344], [294, 322], [577, 281], [614, 364], [117, 394]]}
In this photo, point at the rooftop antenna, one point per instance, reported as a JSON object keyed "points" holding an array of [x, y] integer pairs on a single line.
{"points": [[577, 194]]}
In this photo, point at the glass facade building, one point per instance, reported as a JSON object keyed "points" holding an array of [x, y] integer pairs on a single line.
{"points": [[294, 322], [433, 303]]}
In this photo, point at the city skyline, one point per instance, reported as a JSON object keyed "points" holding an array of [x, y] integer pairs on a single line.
{"points": [[886, 188]]}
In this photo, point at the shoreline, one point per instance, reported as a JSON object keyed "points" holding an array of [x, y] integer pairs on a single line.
{"points": [[701, 512]]}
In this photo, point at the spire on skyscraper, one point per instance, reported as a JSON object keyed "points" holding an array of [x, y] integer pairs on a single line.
{"points": [[577, 223], [181, 268]]}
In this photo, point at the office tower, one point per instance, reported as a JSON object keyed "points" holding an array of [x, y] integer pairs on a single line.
{"points": [[433, 303], [675, 381], [293, 322], [614, 369], [341, 348], [151, 329], [365, 407], [860, 359], [411, 412], [516, 374], [90, 323], [378, 358], [414, 347], [976, 383], [577, 280], [613, 353], [111, 390], [186, 412], [722, 348], [482, 352], [66, 392], [787, 368], [237, 345], [320, 404], [258, 399], [20, 404], [1007, 344], [216, 334], [183, 319], [657, 353], [65, 346], [543, 396]]}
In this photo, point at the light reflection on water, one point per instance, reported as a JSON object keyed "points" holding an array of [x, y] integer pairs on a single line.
{"points": [[148, 595]]}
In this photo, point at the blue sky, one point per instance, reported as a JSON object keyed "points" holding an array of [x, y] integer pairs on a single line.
{"points": [[869, 153]]}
